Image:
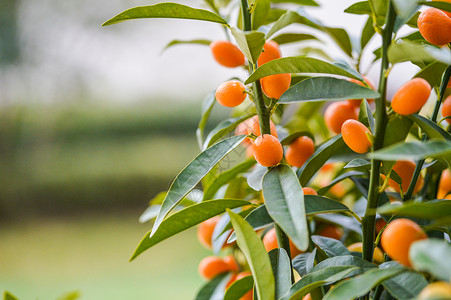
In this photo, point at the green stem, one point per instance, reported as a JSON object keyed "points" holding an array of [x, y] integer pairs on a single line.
{"points": [[445, 78], [368, 221]]}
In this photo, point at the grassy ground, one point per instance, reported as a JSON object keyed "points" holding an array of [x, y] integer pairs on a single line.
{"points": [[42, 259]]}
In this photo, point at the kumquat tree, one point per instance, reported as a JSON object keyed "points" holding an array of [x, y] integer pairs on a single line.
{"points": [[335, 191]]}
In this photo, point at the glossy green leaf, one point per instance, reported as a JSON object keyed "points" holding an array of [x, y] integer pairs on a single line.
{"points": [[432, 256], [223, 129], [316, 279], [207, 107], [367, 33], [214, 289], [432, 73], [362, 284], [432, 130], [398, 128], [292, 137], [366, 116], [344, 260], [443, 5], [258, 219], [319, 158], [304, 262], [299, 2], [257, 257], [417, 53], [255, 178], [414, 151], [239, 288], [379, 8], [404, 286], [299, 64], [284, 201], [281, 267], [357, 163], [166, 10], [330, 246], [287, 38], [336, 180], [250, 43], [405, 10], [184, 219], [192, 174], [299, 16], [430, 210], [326, 89], [190, 42], [260, 13], [8, 296], [359, 8], [225, 177]]}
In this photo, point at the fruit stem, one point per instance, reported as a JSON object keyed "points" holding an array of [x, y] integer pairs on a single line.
{"points": [[416, 174], [369, 219]]}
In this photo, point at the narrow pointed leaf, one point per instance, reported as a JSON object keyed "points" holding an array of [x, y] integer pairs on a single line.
{"points": [[190, 42], [344, 260], [432, 130], [432, 73], [326, 89], [367, 33], [251, 43], [239, 288], [317, 160], [443, 5], [284, 201], [360, 285], [357, 163], [166, 10], [207, 107], [223, 129], [281, 267], [227, 176], [432, 256], [430, 210], [287, 38], [414, 151], [316, 279], [257, 257], [301, 262], [260, 14], [192, 174], [330, 246], [359, 8], [186, 218], [417, 53], [255, 178], [214, 289], [299, 64], [8, 296], [366, 116], [404, 286]]}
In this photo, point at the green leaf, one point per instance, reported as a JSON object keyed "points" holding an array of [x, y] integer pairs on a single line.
{"points": [[284, 201], [255, 178], [190, 42], [317, 160], [207, 107], [344, 260], [316, 279], [398, 128], [330, 246], [250, 43], [342, 221], [303, 263], [430, 210], [404, 286], [432, 256], [214, 289], [281, 267], [362, 284], [380, 10], [326, 89], [359, 8], [356, 163], [414, 151], [260, 14], [258, 219], [417, 53], [299, 2], [70, 296], [184, 219], [432, 130], [405, 10], [223, 129], [366, 115], [446, 6], [342, 177], [300, 64], [192, 174], [225, 177], [432, 73], [292, 137], [367, 33], [239, 288], [257, 257], [8, 296], [287, 38], [166, 10]]}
